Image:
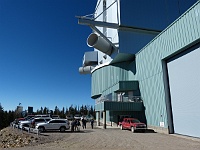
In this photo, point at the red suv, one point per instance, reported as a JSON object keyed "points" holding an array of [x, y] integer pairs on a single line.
{"points": [[133, 125]]}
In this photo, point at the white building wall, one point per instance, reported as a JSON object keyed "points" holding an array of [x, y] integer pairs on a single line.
{"points": [[112, 17], [109, 15]]}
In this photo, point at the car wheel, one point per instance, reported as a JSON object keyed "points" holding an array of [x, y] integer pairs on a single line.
{"points": [[41, 129], [132, 129], [62, 129], [121, 127]]}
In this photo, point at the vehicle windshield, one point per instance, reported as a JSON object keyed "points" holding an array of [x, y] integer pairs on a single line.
{"points": [[135, 121]]}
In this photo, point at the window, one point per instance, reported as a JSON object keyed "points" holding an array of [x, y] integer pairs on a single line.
{"points": [[135, 121], [57, 121], [53, 121], [39, 120]]}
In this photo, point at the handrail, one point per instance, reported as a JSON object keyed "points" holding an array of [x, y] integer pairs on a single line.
{"points": [[123, 98]]}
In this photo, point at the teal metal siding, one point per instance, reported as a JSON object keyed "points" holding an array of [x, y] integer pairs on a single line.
{"points": [[99, 107], [181, 34], [127, 86], [152, 91], [119, 106], [105, 78]]}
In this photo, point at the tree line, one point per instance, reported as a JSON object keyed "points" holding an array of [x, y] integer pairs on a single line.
{"points": [[6, 117]]}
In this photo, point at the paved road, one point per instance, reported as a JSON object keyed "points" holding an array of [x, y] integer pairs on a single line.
{"points": [[116, 139]]}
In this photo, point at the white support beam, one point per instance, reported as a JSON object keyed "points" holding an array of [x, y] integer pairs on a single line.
{"points": [[90, 22]]}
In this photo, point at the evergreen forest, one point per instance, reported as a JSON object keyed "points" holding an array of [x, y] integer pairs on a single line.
{"points": [[6, 117]]}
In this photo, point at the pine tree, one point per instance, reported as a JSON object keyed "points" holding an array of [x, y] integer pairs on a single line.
{"points": [[71, 110], [1, 108], [1, 116], [45, 111], [66, 111], [56, 111]]}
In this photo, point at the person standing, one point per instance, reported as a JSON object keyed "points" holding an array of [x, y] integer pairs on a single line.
{"points": [[84, 123], [92, 123], [72, 125], [77, 125]]}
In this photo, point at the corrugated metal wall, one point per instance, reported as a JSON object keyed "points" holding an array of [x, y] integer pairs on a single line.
{"points": [[104, 79], [181, 34], [184, 32], [119, 106]]}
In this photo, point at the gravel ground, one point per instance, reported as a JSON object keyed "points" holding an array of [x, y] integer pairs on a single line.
{"points": [[113, 139]]}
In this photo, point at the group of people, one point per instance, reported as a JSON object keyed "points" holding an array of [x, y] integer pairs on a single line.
{"points": [[75, 124]]}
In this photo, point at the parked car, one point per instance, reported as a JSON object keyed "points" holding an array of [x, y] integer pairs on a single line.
{"points": [[47, 115], [88, 118], [28, 117], [17, 121], [35, 121], [69, 117], [133, 125], [55, 116], [77, 116], [26, 123], [54, 124], [121, 118]]}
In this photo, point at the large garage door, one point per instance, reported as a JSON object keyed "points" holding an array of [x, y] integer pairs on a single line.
{"points": [[184, 83]]}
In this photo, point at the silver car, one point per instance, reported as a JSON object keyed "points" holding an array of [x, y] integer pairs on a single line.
{"points": [[54, 124]]}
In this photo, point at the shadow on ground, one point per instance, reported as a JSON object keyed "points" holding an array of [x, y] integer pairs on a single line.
{"points": [[150, 131], [66, 132]]}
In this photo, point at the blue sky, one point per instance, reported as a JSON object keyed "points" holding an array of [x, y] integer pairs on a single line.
{"points": [[41, 49]]}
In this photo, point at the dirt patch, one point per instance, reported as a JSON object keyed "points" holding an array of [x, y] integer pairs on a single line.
{"points": [[13, 138]]}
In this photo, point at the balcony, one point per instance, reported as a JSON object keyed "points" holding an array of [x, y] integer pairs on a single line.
{"points": [[125, 103], [123, 98]]}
